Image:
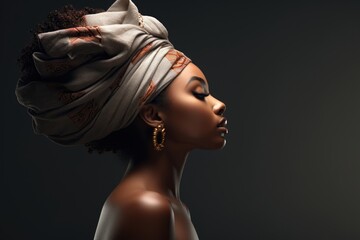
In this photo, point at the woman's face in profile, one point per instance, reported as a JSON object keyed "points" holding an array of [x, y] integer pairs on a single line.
{"points": [[193, 117]]}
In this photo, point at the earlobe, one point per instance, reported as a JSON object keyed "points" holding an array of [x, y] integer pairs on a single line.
{"points": [[150, 114]]}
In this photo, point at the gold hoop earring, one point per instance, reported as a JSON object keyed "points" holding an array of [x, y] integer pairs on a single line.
{"points": [[160, 129]]}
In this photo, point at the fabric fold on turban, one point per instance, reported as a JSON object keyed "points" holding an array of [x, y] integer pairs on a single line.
{"points": [[95, 77]]}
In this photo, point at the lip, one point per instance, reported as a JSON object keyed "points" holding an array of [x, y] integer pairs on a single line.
{"points": [[223, 130], [222, 126], [223, 123]]}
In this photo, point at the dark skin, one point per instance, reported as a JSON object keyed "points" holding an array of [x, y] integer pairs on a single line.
{"points": [[146, 204]]}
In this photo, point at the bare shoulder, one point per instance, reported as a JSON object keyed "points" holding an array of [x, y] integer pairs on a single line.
{"points": [[142, 215], [132, 198], [143, 204]]}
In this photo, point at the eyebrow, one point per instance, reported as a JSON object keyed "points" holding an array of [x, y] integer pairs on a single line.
{"points": [[202, 81]]}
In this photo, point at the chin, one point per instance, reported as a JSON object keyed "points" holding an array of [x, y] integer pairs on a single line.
{"points": [[216, 145], [222, 145]]}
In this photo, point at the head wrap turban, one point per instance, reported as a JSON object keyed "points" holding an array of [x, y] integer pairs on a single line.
{"points": [[95, 77]]}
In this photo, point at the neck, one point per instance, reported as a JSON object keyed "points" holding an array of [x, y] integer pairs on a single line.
{"points": [[161, 171]]}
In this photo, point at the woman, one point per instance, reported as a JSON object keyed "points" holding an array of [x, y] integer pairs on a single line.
{"points": [[112, 81]]}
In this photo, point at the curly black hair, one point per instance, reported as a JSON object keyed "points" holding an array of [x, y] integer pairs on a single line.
{"points": [[65, 17]]}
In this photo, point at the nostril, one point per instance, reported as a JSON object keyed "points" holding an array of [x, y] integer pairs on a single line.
{"points": [[219, 109]]}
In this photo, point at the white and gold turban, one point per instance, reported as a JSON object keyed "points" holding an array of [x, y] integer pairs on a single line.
{"points": [[95, 77]]}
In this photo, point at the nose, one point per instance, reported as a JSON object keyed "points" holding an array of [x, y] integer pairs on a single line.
{"points": [[219, 107]]}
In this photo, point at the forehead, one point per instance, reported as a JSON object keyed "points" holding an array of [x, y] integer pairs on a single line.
{"points": [[190, 71]]}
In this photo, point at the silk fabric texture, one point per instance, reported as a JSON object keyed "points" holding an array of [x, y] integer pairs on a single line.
{"points": [[96, 77]]}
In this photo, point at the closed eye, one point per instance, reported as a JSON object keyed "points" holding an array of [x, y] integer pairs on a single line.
{"points": [[201, 96]]}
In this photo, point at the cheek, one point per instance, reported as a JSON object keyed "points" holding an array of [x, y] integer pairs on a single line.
{"points": [[190, 118]]}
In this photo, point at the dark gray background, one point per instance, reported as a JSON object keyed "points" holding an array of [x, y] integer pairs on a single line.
{"points": [[289, 73]]}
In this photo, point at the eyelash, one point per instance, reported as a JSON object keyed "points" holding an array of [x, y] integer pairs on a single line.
{"points": [[201, 96]]}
